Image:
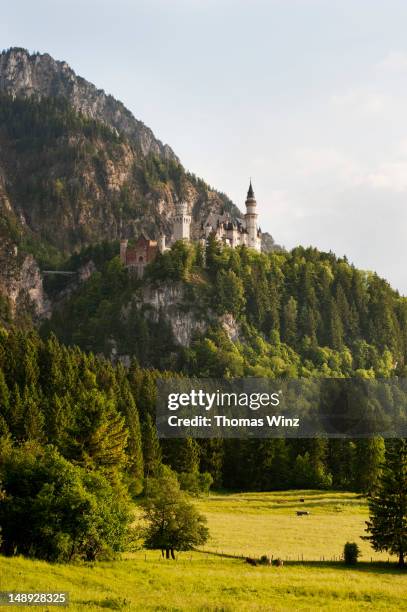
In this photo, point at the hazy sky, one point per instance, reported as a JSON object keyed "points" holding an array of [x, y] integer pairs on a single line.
{"points": [[309, 97]]}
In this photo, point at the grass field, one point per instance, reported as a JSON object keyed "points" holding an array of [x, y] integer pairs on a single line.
{"points": [[266, 523], [250, 523]]}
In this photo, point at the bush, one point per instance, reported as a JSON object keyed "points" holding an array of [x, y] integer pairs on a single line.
{"points": [[351, 553], [196, 483], [56, 511]]}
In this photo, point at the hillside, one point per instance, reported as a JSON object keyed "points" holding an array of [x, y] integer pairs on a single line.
{"points": [[68, 181], [236, 312]]}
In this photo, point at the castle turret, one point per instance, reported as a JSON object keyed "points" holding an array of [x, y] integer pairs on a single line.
{"points": [[182, 222], [123, 251], [253, 238], [161, 242]]}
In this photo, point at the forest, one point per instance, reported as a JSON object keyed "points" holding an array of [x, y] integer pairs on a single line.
{"points": [[302, 313]]}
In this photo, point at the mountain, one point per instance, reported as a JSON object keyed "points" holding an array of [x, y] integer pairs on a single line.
{"points": [[76, 169], [38, 75]]}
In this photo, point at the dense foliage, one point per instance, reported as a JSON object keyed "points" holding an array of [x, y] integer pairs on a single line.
{"points": [[302, 313], [54, 510]]}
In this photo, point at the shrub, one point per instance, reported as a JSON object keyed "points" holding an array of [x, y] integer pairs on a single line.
{"points": [[351, 553], [56, 511], [196, 483]]}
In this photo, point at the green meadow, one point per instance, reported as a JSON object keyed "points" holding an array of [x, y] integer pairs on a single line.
{"points": [[254, 524], [240, 524]]}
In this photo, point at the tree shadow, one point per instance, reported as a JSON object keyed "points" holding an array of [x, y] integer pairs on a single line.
{"points": [[377, 567]]}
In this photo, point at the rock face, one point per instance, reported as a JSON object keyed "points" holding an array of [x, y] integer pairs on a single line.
{"points": [[23, 286], [26, 75], [168, 302]]}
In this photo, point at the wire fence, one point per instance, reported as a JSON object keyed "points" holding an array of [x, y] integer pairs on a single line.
{"points": [[196, 554]]}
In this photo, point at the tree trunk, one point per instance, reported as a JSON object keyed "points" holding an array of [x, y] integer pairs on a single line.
{"points": [[401, 563], [167, 553], [172, 554]]}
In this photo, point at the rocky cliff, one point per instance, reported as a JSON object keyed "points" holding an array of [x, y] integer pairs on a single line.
{"points": [[22, 294]]}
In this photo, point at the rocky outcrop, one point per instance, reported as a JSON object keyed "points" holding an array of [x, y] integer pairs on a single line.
{"points": [[231, 327], [25, 74], [23, 286], [169, 302]]}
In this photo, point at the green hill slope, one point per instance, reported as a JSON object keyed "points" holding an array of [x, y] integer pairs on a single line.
{"points": [[235, 312]]}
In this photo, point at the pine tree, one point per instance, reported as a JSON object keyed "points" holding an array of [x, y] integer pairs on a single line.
{"points": [[151, 448], [16, 424], [4, 396], [127, 407], [388, 506], [99, 435], [229, 293], [335, 327], [212, 254], [144, 390], [290, 321], [33, 419], [182, 454], [211, 459], [369, 457], [59, 420], [280, 465], [341, 462]]}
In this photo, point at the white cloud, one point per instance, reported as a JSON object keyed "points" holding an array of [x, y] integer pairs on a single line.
{"points": [[363, 101], [395, 61], [389, 175], [309, 162]]}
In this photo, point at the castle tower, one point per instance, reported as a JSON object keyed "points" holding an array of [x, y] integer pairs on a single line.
{"points": [[182, 222], [123, 251], [161, 242], [253, 237]]}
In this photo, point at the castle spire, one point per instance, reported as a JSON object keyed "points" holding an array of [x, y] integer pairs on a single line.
{"points": [[253, 237], [250, 193]]}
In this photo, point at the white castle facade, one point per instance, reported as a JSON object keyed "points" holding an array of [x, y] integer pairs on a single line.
{"points": [[228, 231], [225, 229]]}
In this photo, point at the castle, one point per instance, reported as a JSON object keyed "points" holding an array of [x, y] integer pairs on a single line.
{"points": [[232, 232]]}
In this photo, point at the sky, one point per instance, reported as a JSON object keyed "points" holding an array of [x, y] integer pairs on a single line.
{"points": [[307, 97]]}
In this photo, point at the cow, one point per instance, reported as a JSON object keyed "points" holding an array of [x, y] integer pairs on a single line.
{"points": [[251, 561]]}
